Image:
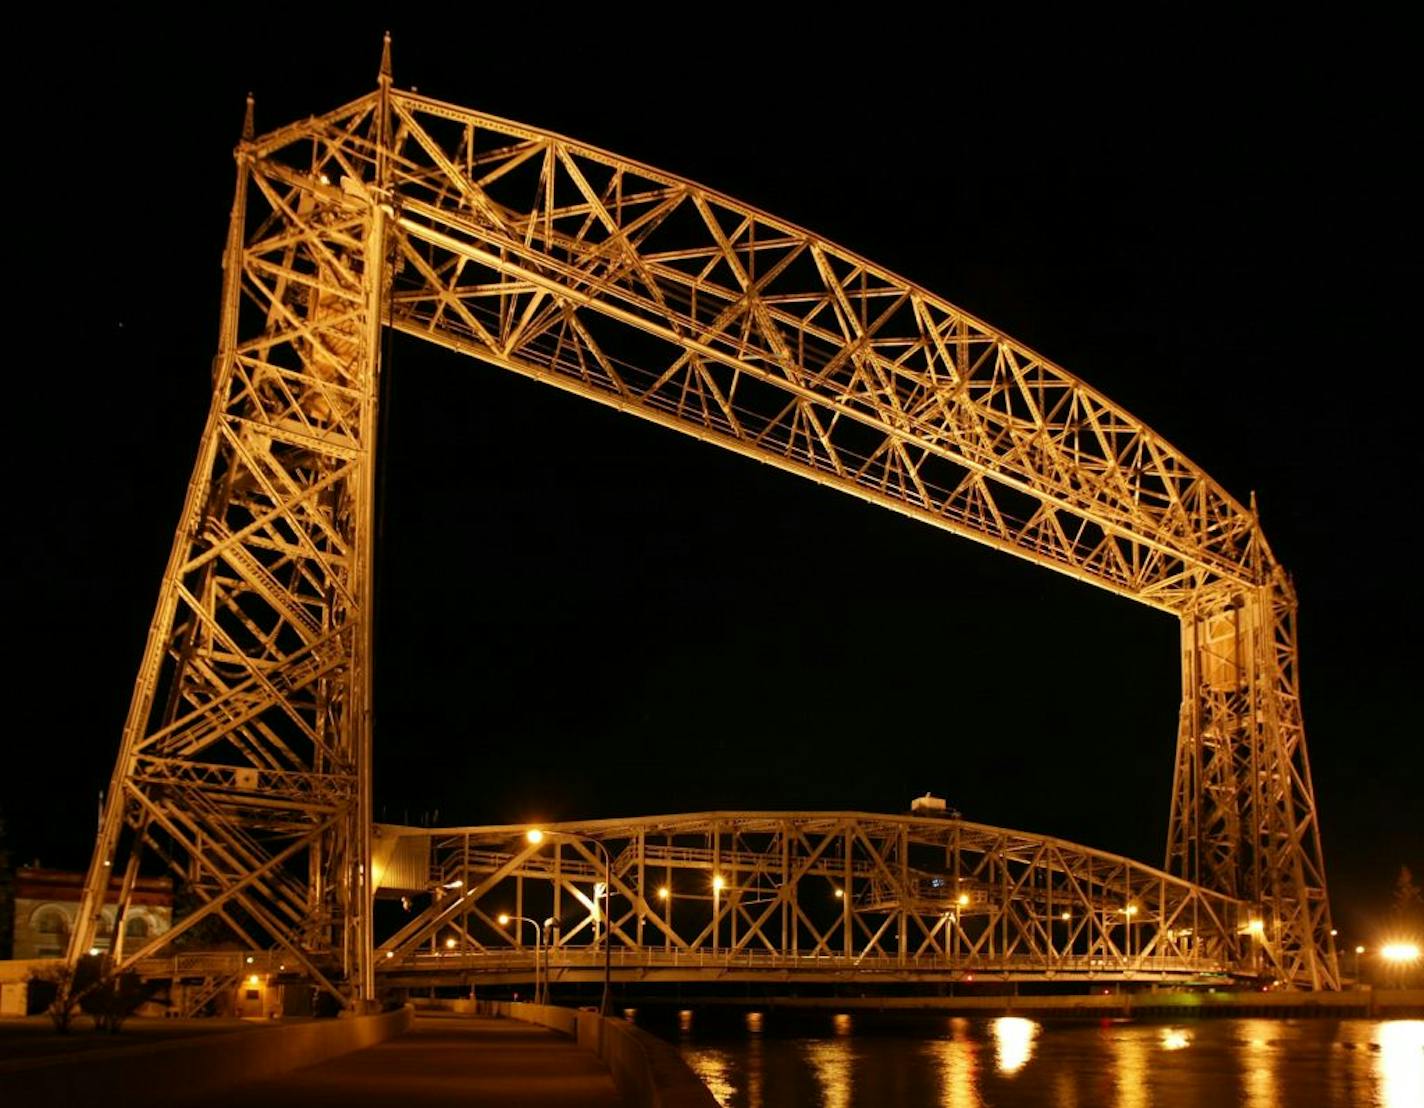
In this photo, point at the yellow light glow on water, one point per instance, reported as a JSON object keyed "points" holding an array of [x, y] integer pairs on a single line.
{"points": [[753, 1070], [755, 1022], [684, 1020], [1258, 1067], [1013, 1042], [1131, 1065], [831, 1062], [1175, 1038], [842, 1023], [957, 1057], [714, 1069], [1400, 1062]]}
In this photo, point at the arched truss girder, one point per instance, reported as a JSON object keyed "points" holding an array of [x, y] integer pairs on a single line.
{"points": [[543, 255], [245, 759], [809, 894]]}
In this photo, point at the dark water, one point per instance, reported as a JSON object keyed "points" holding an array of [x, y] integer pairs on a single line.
{"points": [[845, 1061]]}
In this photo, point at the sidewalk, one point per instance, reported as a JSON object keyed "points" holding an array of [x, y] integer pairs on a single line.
{"points": [[445, 1060]]}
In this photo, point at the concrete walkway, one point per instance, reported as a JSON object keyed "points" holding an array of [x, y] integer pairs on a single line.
{"points": [[445, 1060]]}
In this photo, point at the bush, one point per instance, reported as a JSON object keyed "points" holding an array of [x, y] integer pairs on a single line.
{"points": [[114, 999], [61, 990]]}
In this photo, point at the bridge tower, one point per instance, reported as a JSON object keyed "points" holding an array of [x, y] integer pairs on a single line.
{"points": [[244, 765]]}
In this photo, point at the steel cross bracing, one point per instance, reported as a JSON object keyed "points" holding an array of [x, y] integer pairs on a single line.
{"points": [[799, 896], [244, 762]]}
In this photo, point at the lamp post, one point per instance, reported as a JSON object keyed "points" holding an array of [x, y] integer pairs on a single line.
{"points": [[536, 836], [665, 895], [504, 919], [550, 929], [717, 885]]}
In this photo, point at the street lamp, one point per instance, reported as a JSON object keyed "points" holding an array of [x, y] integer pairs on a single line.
{"points": [[504, 919], [665, 895], [535, 836], [1398, 957], [718, 884], [1358, 951]]}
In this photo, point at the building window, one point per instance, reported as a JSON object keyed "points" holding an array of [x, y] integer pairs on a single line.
{"points": [[136, 927], [51, 930], [51, 921]]}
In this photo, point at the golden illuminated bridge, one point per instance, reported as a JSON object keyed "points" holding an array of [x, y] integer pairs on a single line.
{"points": [[244, 765]]}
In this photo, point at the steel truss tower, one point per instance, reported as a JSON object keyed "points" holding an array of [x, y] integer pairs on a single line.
{"points": [[245, 758]]}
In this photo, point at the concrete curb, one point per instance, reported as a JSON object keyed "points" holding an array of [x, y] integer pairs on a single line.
{"points": [[184, 1071], [648, 1072]]}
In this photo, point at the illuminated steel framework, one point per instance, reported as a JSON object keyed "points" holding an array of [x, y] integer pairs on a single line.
{"points": [[245, 756], [799, 896]]}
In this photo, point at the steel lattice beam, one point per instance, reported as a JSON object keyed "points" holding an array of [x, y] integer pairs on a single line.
{"points": [[249, 727], [803, 896]]}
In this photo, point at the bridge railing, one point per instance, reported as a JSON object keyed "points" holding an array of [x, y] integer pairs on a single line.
{"points": [[514, 962]]}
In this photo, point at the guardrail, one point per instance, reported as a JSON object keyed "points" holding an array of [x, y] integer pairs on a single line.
{"points": [[559, 960], [583, 958]]}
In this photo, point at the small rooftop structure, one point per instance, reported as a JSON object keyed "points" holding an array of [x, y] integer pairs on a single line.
{"points": [[931, 805]]}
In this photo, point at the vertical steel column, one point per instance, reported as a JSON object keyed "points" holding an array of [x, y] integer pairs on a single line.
{"points": [[363, 667]]}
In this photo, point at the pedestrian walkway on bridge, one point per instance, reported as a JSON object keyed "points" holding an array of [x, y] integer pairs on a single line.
{"points": [[445, 1060]]}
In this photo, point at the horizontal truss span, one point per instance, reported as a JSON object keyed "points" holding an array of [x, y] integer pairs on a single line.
{"points": [[796, 896], [666, 299]]}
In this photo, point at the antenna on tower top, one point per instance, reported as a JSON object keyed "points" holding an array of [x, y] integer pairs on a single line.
{"points": [[247, 128], [386, 59]]}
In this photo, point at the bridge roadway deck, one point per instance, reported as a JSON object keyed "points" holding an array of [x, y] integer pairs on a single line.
{"points": [[444, 1060]]}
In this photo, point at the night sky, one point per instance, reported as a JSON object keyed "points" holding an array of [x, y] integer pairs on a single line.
{"points": [[583, 615]]}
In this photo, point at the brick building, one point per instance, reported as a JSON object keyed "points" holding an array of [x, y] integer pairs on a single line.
{"points": [[47, 901]]}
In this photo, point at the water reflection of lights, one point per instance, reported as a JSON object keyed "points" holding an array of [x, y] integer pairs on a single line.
{"points": [[713, 1069], [1065, 1092], [1401, 1062], [755, 1066], [684, 1020], [832, 1063], [1013, 1042], [958, 1063], [1259, 1075], [841, 1022], [755, 1022], [1131, 1066], [1175, 1038]]}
